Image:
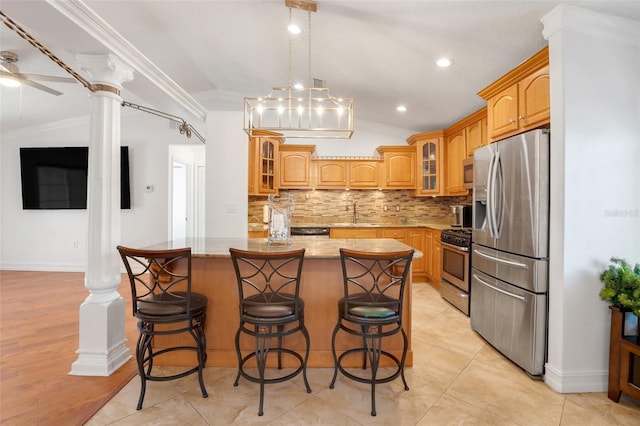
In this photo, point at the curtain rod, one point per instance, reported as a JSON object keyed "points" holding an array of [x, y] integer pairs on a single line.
{"points": [[184, 127]]}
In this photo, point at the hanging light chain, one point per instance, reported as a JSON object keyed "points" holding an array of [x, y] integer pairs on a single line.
{"points": [[290, 76], [309, 47]]}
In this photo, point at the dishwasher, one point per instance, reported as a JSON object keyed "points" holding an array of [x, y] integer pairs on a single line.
{"points": [[314, 232]]}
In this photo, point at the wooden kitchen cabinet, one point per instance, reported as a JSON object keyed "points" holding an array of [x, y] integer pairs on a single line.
{"points": [[399, 167], [295, 166], [346, 173], [456, 153], [434, 259], [363, 174], [429, 163], [461, 139], [263, 163], [331, 174], [416, 239], [353, 232], [399, 234], [476, 135], [519, 101]]}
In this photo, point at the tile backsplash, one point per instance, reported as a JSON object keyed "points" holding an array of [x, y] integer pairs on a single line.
{"points": [[373, 206]]}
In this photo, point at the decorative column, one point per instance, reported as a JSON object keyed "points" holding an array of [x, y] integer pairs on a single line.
{"points": [[102, 348]]}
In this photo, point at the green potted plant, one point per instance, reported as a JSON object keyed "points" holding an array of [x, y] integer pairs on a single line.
{"points": [[622, 285]]}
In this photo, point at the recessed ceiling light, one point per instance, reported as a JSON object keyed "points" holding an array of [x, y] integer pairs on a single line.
{"points": [[293, 29], [444, 62], [401, 108], [298, 86]]}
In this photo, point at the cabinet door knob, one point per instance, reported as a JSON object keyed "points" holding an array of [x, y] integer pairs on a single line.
{"points": [[511, 120], [521, 117]]}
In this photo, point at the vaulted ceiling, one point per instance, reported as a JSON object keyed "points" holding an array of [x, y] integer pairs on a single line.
{"points": [[381, 53]]}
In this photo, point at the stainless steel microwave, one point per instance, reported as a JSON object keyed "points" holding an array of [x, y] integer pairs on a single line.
{"points": [[467, 173]]}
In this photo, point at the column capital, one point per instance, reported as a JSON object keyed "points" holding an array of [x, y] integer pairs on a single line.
{"points": [[105, 70]]}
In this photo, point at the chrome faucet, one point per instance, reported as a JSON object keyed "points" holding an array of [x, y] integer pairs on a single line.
{"points": [[355, 213], [354, 208]]}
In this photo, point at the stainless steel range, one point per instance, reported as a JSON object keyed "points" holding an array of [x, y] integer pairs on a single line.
{"points": [[456, 267]]}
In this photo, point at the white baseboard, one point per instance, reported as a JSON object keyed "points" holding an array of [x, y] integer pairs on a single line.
{"points": [[576, 382]]}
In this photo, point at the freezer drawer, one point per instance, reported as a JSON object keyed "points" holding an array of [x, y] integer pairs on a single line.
{"points": [[524, 272], [512, 320]]}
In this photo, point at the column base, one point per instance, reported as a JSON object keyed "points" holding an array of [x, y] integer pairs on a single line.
{"points": [[102, 348]]}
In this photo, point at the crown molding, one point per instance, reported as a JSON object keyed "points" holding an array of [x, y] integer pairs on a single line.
{"points": [[84, 17]]}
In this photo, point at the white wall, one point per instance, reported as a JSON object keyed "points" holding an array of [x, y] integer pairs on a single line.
{"points": [[44, 239], [595, 184], [367, 136]]}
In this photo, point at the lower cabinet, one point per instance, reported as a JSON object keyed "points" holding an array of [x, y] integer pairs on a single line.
{"points": [[258, 234], [416, 239], [399, 234], [426, 240], [434, 258], [353, 232]]}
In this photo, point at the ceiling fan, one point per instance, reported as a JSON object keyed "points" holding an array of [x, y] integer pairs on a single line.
{"points": [[10, 75]]}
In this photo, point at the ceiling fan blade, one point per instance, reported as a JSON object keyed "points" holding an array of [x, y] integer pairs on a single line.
{"points": [[41, 87], [41, 77], [4, 68]]}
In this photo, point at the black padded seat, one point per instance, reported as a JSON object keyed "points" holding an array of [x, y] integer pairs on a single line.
{"points": [[371, 309], [270, 308], [161, 295]]}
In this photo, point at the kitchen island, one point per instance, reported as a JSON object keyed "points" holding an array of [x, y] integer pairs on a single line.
{"points": [[321, 288]]}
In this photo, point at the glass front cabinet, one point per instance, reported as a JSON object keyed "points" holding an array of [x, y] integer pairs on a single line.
{"points": [[263, 164], [429, 149]]}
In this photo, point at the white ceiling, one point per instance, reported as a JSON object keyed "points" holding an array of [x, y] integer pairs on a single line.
{"points": [[381, 53]]}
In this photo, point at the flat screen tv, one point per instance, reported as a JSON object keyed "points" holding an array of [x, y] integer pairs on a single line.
{"points": [[56, 178]]}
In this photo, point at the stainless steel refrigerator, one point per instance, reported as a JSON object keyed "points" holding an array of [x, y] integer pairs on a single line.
{"points": [[510, 247]]}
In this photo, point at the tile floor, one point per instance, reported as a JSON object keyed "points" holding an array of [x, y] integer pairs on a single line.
{"points": [[456, 379]]}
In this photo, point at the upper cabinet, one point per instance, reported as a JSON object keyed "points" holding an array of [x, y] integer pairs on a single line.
{"points": [[456, 153], [331, 174], [461, 139], [295, 166], [399, 167], [476, 135], [346, 173], [364, 174], [263, 163], [429, 162], [519, 101]]}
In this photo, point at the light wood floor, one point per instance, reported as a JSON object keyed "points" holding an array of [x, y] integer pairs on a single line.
{"points": [[38, 338]]}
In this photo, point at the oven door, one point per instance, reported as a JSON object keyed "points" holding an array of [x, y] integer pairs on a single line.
{"points": [[455, 265]]}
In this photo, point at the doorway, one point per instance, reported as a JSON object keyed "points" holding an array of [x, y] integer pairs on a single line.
{"points": [[186, 212]]}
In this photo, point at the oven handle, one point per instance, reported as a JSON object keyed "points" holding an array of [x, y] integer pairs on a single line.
{"points": [[495, 259], [465, 249], [515, 296]]}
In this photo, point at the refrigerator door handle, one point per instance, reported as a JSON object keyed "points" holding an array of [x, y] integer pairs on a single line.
{"points": [[495, 259], [491, 196], [506, 293], [499, 197]]}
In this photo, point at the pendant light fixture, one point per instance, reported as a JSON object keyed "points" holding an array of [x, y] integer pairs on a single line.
{"points": [[300, 112]]}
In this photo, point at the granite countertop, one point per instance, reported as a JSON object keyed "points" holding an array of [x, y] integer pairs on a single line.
{"points": [[315, 248]]}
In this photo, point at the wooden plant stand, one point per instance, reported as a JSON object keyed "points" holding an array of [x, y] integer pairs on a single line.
{"points": [[624, 359]]}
